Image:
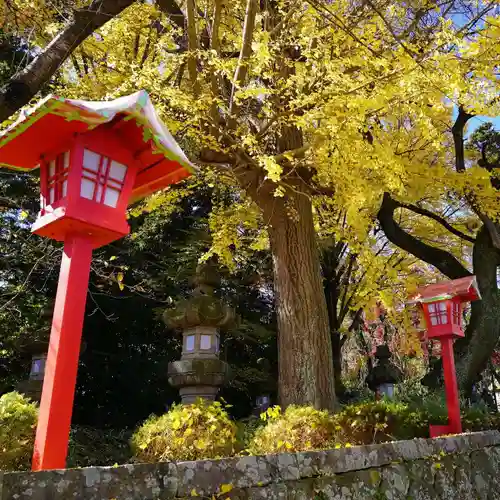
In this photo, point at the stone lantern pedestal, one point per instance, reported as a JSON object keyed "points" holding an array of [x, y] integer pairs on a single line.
{"points": [[200, 373]]}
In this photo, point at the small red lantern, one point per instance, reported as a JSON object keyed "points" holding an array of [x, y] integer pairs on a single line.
{"points": [[441, 304], [94, 158]]}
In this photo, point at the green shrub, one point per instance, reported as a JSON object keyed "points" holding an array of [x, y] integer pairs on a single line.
{"points": [[379, 421], [299, 428], [18, 418], [246, 430], [186, 432]]}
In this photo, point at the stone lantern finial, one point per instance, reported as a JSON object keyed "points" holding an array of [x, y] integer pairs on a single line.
{"points": [[199, 373]]}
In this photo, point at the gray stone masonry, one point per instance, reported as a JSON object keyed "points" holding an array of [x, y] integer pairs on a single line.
{"points": [[463, 467]]}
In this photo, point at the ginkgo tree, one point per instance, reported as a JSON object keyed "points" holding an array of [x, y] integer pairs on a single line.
{"points": [[290, 100]]}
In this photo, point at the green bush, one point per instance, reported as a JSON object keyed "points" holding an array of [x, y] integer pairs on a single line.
{"points": [[299, 428], [18, 418], [379, 421], [245, 432], [186, 432]]}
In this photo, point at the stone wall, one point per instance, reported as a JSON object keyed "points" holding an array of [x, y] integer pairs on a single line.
{"points": [[460, 467]]}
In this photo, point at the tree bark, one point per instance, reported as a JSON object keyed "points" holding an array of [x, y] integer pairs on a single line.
{"points": [[304, 343], [484, 337]]}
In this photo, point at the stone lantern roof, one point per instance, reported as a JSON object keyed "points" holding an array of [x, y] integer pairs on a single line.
{"points": [[203, 308]]}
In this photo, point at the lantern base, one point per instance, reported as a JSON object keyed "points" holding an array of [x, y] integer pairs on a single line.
{"points": [[443, 430], [58, 224]]}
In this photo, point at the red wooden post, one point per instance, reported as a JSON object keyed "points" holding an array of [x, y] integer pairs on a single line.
{"points": [[51, 443], [451, 388], [94, 159]]}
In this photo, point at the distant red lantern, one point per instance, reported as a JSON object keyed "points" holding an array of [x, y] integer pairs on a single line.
{"points": [[94, 158], [441, 304]]}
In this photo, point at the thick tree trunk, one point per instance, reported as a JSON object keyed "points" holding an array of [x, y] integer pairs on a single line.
{"points": [[483, 339], [304, 343]]}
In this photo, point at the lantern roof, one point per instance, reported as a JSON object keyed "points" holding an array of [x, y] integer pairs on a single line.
{"points": [[464, 288], [54, 120]]}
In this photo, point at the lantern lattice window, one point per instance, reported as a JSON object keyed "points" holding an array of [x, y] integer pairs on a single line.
{"points": [[57, 178], [438, 313], [102, 179], [456, 313]]}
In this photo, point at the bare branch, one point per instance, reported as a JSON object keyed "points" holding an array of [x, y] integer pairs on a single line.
{"points": [[193, 46], [440, 259], [437, 218], [246, 48], [23, 86]]}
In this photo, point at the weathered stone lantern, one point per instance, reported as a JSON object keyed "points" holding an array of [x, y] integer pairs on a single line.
{"points": [[200, 373], [32, 388], [384, 374]]}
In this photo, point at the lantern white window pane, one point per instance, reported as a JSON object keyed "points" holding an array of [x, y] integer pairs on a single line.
{"points": [[442, 306], [99, 193], [65, 188], [51, 195], [66, 160], [37, 365], [111, 197], [205, 342], [434, 320], [386, 390], [87, 189], [190, 343], [91, 160], [52, 168], [432, 307], [117, 171]]}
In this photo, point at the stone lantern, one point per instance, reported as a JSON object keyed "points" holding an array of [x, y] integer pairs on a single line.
{"points": [[384, 374], [200, 373], [32, 388]]}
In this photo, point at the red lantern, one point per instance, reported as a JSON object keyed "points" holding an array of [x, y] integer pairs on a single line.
{"points": [[94, 157], [442, 308]]}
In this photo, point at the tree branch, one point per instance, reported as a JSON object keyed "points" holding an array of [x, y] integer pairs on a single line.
{"points": [[246, 48], [23, 86], [458, 140], [172, 11], [437, 218], [440, 259], [193, 46]]}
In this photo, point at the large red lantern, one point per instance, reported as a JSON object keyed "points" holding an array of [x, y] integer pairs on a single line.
{"points": [[94, 158], [441, 304]]}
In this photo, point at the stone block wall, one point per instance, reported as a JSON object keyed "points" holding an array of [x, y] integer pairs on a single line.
{"points": [[455, 468]]}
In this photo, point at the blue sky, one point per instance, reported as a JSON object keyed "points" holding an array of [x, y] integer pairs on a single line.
{"points": [[479, 120]]}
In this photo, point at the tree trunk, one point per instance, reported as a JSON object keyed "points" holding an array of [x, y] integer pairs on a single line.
{"points": [[337, 363], [304, 343], [483, 339]]}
